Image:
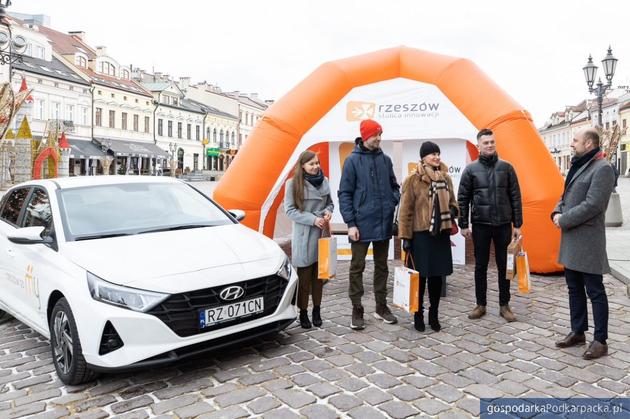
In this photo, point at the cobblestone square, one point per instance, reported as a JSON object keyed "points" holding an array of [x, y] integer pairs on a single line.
{"points": [[382, 371]]}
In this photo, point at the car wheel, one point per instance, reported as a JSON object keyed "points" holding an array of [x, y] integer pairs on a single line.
{"points": [[66, 347]]}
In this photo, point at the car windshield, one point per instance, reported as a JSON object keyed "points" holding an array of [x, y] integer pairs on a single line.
{"points": [[135, 208]]}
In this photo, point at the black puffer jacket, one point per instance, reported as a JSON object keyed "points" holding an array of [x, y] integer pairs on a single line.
{"points": [[490, 186]]}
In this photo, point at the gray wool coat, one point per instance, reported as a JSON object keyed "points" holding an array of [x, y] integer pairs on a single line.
{"points": [[583, 207], [305, 234]]}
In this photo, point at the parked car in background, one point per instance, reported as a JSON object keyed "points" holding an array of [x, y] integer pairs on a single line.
{"points": [[129, 272]]}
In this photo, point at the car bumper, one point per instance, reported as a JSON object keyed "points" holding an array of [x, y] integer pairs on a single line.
{"points": [[148, 341]]}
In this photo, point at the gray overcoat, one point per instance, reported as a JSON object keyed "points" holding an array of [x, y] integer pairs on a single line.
{"points": [[583, 207], [305, 234]]}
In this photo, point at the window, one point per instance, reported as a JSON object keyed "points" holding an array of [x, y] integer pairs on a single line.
{"points": [[38, 212], [98, 117], [623, 123], [208, 133], [69, 112], [170, 128], [214, 136], [607, 125], [125, 74], [84, 115], [112, 119], [179, 130], [13, 206], [232, 141], [124, 120], [108, 68], [39, 109], [188, 131], [80, 61], [147, 122], [136, 123], [160, 126], [198, 133], [54, 110], [40, 52]]}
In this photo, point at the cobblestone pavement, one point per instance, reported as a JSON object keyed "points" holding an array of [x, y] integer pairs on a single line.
{"points": [[383, 371]]}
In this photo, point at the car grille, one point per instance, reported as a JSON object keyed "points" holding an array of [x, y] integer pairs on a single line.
{"points": [[180, 312]]}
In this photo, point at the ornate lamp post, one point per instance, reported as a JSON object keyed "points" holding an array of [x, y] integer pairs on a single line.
{"points": [[590, 70], [11, 48]]}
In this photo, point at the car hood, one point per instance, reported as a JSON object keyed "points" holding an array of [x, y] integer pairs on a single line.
{"points": [[177, 261]]}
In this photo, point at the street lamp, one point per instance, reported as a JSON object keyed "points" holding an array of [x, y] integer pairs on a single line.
{"points": [[11, 48], [590, 70]]}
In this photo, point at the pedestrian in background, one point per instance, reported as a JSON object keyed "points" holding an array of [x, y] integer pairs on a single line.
{"points": [[368, 194], [489, 192], [428, 209], [307, 202], [580, 214]]}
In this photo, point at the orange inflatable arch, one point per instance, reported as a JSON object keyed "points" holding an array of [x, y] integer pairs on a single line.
{"points": [[251, 177]]}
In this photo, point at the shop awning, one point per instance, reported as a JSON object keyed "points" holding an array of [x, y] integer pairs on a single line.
{"points": [[84, 149], [132, 148]]}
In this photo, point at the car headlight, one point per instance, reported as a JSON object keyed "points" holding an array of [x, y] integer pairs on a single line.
{"points": [[285, 269], [131, 298]]}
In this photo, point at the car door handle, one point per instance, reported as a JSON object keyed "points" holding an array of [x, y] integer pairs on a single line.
{"points": [[11, 252]]}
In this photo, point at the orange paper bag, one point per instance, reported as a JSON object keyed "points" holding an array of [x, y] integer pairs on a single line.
{"points": [[522, 272], [327, 258]]}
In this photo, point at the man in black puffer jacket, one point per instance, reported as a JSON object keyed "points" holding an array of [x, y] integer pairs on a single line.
{"points": [[489, 187]]}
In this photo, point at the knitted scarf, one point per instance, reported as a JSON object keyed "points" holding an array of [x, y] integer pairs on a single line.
{"points": [[439, 198]]}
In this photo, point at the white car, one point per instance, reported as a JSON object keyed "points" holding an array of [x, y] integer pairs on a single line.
{"points": [[129, 272]]}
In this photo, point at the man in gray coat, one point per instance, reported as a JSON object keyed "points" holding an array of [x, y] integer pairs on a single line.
{"points": [[580, 215]]}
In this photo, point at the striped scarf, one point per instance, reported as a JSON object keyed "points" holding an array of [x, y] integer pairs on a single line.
{"points": [[438, 201]]}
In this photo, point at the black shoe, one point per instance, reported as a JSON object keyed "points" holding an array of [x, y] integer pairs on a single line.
{"points": [[304, 321], [433, 320], [317, 319], [357, 322], [418, 321], [572, 339]]}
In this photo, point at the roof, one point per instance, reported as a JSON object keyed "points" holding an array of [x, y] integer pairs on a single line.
{"points": [[67, 44], [116, 83], [625, 106], [246, 100], [55, 69], [214, 111], [155, 86]]}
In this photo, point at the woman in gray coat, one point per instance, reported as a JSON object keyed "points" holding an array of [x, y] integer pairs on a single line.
{"points": [[308, 204]]}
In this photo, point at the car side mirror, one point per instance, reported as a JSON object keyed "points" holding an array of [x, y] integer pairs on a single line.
{"points": [[237, 213], [29, 235]]}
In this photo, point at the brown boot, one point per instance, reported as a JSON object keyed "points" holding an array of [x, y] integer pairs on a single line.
{"points": [[477, 312], [595, 350], [506, 313], [572, 339]]}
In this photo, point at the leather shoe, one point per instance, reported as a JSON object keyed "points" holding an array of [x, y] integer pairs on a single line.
{"points": [[572, 339], [477, 312], [507, 314], [595, 350]]}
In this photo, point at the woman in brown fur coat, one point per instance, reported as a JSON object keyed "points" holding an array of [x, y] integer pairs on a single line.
{"points": [[428, 208]]}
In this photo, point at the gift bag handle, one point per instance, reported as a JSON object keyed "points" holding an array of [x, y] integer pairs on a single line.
{"points": [[407, 259]]}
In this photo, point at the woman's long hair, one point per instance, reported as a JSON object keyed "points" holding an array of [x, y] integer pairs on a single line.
{"points": [[298, 178]]}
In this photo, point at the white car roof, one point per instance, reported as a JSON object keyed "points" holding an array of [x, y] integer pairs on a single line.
{"points": [[82, 181]]}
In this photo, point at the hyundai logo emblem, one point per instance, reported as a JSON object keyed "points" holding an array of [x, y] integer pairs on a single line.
{"points": [[231, 293]]}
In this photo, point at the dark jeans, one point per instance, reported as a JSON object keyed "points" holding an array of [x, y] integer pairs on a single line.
{"points": [[594, 285], [309, 284], [435, 292], [357, 266], [483, 235]]}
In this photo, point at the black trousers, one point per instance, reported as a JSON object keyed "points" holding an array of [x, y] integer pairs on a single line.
{"points": [[483, 235], [594, 285]]}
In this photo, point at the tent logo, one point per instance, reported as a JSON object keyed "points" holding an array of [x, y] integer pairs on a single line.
{"points": [[357, 111]]}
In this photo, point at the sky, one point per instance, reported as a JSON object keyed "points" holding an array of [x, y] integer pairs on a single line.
{"points": [[534, 50]]}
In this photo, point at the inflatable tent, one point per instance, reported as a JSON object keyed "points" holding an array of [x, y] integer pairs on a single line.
{"points": [[254, 181]]}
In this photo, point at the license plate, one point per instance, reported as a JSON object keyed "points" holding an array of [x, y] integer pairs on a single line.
{"points": [[212, 316]]}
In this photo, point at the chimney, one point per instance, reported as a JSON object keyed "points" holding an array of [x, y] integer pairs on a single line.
{"points": [[101, 50], [184, 82], [78, 34]]}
